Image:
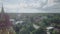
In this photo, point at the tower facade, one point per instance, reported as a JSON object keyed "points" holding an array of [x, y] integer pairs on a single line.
{"points": [[5, 24], [4, 20]]}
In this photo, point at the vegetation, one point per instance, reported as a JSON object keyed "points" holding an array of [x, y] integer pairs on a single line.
{"points": [[50, 20]]}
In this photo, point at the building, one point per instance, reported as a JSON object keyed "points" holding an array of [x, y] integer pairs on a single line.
{"points": [[5, 24]]}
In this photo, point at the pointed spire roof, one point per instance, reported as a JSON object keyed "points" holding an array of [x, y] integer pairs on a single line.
{"points": [[2, 12], [2, 9]]}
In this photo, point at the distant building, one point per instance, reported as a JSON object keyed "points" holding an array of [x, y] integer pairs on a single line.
{"points": [[13, 21]]}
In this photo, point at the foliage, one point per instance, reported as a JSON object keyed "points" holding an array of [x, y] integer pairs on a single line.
{"points": [[27, 26]]}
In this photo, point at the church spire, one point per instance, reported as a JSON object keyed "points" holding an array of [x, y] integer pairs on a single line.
{"points": [[2, 12], [2, 9]]}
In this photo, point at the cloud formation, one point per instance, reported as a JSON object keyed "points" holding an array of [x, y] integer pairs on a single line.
{"points": [[25, 6]]}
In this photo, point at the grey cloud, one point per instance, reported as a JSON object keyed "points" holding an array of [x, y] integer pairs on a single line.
{"points": [[52, 9]]}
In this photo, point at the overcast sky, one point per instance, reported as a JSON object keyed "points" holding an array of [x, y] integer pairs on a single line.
{"points": [[29, 6]]}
